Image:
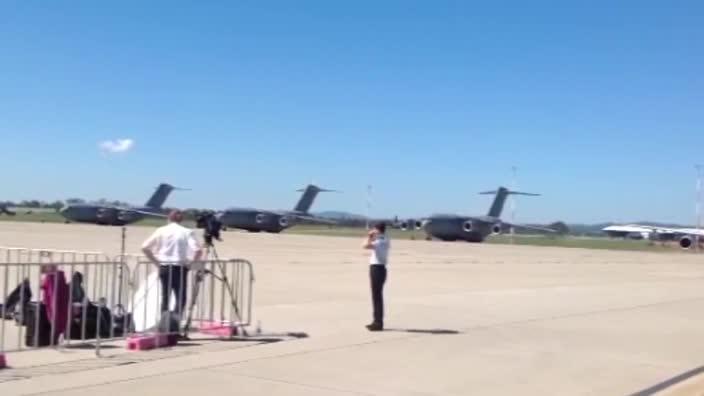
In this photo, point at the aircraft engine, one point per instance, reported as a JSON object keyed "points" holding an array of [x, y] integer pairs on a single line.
{"points": [[260, 218], [467, 226], [283, 221], [404, 226], [124, 215], [686, 242], [418, 225], [496, 229]]}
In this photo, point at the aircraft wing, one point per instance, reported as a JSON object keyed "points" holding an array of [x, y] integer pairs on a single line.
{"points": [[657, 230], [686, 231], [687, 236], [315, 219], [490, 220], [143, 212], [529, 227], [627, 229], [148, 213]]}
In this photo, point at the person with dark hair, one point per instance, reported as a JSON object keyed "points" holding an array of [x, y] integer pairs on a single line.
{"points": [[378, 242], [20, 296], [78, 294], [171, 248]]}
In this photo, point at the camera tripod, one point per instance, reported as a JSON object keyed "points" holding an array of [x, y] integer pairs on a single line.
{"points": [[200, 274]]}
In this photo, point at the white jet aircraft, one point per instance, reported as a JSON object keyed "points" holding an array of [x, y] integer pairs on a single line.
{"points": [[686, 236]]}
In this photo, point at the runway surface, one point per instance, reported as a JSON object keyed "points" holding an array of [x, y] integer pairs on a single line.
{"points": [[462, 319]]}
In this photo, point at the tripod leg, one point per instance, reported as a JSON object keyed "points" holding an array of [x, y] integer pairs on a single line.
{"points": [[225, 280], [194, 300], [233, 298]]}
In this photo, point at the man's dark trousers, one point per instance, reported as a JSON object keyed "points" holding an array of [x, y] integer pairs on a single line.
{"points": [[173, 278], [377, 275]]}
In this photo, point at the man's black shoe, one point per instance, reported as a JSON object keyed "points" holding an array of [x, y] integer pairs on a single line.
{"points": [[375, 327], [9, 313]]}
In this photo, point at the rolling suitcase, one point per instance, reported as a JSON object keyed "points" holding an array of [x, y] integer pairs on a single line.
{"points": [[38, 328]]}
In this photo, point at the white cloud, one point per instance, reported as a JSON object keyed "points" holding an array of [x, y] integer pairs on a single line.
{"points": [[116, 146]]}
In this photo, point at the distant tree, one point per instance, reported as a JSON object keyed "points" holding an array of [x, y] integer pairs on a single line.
{"points": [[560, 227], [56, 205], [30, 204], [75, 201], [192, 213]]}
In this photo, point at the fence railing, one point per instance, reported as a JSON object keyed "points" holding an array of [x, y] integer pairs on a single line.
{"points": [[62, 299]]}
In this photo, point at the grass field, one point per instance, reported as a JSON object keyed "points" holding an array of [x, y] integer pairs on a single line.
{"points": [[534, 240]]}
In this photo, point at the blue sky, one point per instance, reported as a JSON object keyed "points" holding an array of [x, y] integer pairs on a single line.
{"points": [[598, 104]]}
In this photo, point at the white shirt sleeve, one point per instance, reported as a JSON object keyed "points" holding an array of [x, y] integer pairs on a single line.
{"points": [[193, 243], [150, 242]]}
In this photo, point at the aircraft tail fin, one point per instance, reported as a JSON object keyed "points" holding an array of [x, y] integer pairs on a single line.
{"points": [[159, 197], [501, 194], [310, 192]]}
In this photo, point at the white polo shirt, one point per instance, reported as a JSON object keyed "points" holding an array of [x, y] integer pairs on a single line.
{"points": [[380, 250], [172, 244]]}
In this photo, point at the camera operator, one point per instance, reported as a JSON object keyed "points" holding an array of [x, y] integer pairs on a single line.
{"points": [[171, 248], [211, 227]]}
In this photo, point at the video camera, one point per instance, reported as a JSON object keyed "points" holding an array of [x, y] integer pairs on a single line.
{"points": [[211, 227]]}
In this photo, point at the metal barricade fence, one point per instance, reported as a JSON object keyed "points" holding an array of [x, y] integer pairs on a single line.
{"points": [[207, 293], [229, 288], [52, 298], [70, 298]]}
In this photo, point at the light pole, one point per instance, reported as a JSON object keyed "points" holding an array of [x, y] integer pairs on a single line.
{"points": [[513, 201], [369, 202], [698, 204]]}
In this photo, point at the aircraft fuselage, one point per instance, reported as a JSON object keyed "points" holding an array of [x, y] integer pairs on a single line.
{"points": [[97, 214], [453, 228], [254, 220], [118, 216]]}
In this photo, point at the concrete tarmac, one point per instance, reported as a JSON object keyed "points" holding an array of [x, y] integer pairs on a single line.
{"points": [[462, 319]]}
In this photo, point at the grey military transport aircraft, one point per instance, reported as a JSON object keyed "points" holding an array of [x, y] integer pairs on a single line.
{"points": [[256, 220], [4, 210], [450, 227], [111, 215]]}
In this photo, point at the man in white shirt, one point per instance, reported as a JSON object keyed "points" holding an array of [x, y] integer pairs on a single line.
{"points": [[171, 248], [379, 244]]}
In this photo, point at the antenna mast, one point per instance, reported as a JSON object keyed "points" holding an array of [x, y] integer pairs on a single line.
{"points": [[369, 202], [698, 203], [513, 201]]}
